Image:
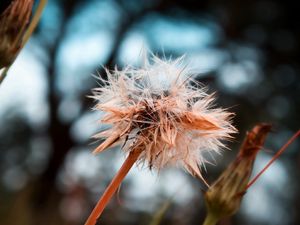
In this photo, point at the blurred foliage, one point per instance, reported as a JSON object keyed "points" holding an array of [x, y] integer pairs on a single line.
{"points": [[247, 51]]}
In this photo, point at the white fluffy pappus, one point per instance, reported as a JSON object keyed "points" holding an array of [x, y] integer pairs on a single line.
{"points": [[160, 111]]}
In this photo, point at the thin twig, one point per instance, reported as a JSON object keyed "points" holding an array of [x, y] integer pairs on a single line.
{"points": [[34, 21], [283, 148]]}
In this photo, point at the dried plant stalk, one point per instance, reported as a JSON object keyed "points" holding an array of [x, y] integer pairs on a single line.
{"points": [[113, 186], [283, 148]]}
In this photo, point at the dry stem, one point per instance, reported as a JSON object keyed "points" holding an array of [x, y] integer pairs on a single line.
{"points": [[283, 148], [113, 186]]}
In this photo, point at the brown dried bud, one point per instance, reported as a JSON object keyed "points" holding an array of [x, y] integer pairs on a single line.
{"points": [[224, 197], [13, 23]]}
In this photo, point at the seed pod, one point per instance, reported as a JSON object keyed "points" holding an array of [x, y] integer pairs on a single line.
{"points": [[13, 23], [223, 198]]}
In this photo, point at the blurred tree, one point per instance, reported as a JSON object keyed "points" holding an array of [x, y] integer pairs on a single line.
{"points": [[258, 75]]}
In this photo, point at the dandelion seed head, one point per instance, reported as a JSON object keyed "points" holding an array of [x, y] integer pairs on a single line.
{"points": [[161, 111]]}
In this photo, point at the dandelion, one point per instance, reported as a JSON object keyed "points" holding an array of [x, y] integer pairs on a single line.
{"points": [[160, 116]]}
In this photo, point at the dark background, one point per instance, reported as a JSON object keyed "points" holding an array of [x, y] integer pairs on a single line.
{"points": [[247, 51]]}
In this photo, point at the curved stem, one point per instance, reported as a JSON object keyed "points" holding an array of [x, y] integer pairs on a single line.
{"points": [[112, 187], [210, 219], [158, 216]]}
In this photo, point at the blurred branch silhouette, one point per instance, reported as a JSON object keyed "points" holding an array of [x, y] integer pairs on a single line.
{"points": [[268, 28]]}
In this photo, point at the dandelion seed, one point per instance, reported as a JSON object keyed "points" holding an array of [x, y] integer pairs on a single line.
{"points": [[162, 116]]}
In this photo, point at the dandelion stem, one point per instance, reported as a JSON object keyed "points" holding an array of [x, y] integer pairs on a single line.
{"points": [[211, 219], [113, 186], [283, 148]]}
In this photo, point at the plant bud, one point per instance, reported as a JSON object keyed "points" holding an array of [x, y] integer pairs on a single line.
{"points": [[13, 23], [223, 198]]}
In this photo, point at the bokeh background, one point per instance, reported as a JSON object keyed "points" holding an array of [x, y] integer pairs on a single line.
{"points": [[246, 51]]}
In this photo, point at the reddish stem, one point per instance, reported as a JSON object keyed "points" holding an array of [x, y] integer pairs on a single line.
{"points": [[283, 148], [112, 187]]}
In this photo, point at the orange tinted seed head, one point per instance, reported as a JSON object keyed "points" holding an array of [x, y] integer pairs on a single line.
{"points": [[160, 110]]}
